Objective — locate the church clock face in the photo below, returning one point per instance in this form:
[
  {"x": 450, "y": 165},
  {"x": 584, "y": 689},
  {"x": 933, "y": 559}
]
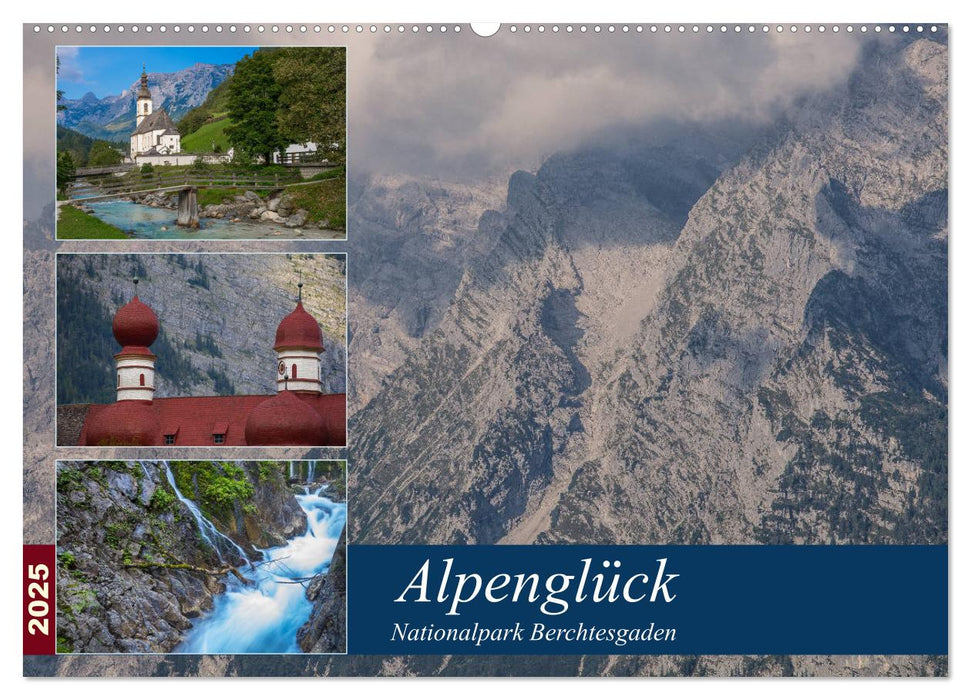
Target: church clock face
[{"x": 282, "y": 368}]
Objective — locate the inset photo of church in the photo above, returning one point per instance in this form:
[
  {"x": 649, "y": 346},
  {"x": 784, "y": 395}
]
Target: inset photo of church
[
  {"x": 207, "y": 142},
  {"x": 201, "y": 350}
]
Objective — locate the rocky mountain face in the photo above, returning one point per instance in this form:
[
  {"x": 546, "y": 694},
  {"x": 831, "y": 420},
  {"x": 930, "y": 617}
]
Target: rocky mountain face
[
  {"x": 420, "y": 235},
  {"x": 133, "y": 570},
  {"x": 113, "y": 117},
  {"x": 759, "y": 359},
  {"x": 326, "y": 630},
  {"x": 218, "y": 316}
]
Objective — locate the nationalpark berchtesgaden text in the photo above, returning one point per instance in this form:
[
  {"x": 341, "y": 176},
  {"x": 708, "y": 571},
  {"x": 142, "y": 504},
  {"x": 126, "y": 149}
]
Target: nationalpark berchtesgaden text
[{"x": 554, "y": 593}]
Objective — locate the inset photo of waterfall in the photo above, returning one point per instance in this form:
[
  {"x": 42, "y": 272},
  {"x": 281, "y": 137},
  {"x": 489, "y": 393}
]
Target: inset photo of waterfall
[{"x": 201, "y": 557}]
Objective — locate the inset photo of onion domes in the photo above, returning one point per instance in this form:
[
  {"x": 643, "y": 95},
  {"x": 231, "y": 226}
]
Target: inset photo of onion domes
[{"x": 201, "y": 350}]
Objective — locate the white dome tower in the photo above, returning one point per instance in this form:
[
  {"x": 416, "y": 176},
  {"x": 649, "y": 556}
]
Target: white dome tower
[
  {"x": 298, "y": 345},
  {"x": 135, "y": 327}
]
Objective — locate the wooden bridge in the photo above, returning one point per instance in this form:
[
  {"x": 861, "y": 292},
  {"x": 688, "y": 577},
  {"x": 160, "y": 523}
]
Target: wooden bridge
[
  {"x": 186, "y": 183},
  {"x": 104, "y": 169}
]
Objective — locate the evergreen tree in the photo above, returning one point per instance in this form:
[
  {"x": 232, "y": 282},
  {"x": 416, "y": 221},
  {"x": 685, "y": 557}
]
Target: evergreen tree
[
  {"x": 59, "y": 94},
  {"x": 253, "y": 102},
  {"x": 65, "y": 170}
]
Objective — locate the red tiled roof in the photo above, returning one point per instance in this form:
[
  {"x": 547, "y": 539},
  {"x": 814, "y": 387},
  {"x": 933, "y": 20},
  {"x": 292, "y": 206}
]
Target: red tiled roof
[
  {"x": 122, "y": 423},
  {"x": 193, "y": 420}
]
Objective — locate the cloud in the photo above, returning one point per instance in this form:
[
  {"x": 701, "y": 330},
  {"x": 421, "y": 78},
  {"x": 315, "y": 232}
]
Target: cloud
[
  {"x": 70, "y": 70},
  {"x": 468, "y": 106}
]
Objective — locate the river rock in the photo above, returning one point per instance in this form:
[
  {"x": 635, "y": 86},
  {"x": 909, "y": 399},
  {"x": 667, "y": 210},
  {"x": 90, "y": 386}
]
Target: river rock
[
  {"x": 273, "y": 204},
  {"x": 252, "y": 196},
  {"x": 271, "y": 216},
  {"x": 296, "y": 220}
]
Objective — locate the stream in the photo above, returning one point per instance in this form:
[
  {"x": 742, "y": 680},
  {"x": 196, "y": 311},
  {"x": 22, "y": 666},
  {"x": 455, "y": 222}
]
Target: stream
[
  {"x": 263, "y": 616},
  {"x": 156, "y": 222}
]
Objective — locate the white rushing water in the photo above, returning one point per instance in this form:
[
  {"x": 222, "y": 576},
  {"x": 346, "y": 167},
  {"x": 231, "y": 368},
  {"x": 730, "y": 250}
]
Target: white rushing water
[
  {"x": 263, "y": 616},
  {"x": 209, "y": 532}
]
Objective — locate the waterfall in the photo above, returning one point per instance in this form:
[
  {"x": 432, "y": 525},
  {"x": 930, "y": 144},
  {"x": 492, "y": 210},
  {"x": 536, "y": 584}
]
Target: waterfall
[
  {"x": 311, "y": 467},
  {"x": 209, "y": 532},
  {"x": 291, "y": 470},
  {"x": 263, "y": 616}
]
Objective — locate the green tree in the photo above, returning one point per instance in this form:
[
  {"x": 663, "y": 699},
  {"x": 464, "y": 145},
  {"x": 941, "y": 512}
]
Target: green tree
[
  {"x": 253, "y": 102},
  {"x": 103, "y": 153},
  {"x": 65, "y": 170},
  {"x": 312, "y": 101},
  {"x": 59, "y": 93}
]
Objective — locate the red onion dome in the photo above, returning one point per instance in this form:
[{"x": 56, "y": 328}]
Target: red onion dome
[
  {"x": 124, "y": 423},
  {"x": 135, "y": 324},
  {"x": 299, "y": 330},
  {"x": 285, "y": 420}
]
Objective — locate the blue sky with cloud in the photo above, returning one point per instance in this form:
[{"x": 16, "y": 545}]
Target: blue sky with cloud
[{"x": 108, "y": 70}]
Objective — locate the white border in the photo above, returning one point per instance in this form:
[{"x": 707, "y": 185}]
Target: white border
[{"x": 511, "y": 10}]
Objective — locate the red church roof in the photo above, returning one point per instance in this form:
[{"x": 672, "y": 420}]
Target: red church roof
[
  {"x": 299, "y": 330},
  {"x": 122, "y": 423},
  {"x": 196, "y": 421},
  {"x": 304, "y": 419}
]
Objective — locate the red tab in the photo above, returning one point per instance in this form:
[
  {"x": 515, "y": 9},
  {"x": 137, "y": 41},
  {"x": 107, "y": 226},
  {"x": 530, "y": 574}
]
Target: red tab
[{"x": 39, "y": 574}]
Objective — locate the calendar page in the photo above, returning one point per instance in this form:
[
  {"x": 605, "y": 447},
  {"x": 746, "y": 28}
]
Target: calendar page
[{"x": 584, "y": 349}]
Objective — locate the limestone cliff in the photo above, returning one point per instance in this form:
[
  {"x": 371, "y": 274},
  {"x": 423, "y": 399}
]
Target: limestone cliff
[{"x": 217, "y": 314}]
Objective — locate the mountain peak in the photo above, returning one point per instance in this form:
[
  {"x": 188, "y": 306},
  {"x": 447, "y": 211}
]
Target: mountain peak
[{"x": 113, "y": 117}]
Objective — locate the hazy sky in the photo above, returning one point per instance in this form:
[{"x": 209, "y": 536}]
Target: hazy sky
[
  {"x": 109, "y": 70},
  {"x": 467, "y": 105}
]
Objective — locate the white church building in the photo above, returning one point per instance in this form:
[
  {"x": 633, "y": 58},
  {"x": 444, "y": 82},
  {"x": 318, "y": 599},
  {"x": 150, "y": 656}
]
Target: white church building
[{"x": 155, "y": 139}]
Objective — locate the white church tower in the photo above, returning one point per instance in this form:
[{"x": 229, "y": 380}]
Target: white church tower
[
  {"x": 143, "y": 105},
  {"x": 298, "y": 345}
]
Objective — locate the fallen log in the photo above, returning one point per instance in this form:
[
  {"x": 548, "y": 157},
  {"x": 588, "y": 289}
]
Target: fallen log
[{"x": 189, "y": 567}]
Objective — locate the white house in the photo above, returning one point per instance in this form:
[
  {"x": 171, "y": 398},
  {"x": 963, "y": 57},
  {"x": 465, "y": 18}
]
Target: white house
[{"x": 295, "y": 152}]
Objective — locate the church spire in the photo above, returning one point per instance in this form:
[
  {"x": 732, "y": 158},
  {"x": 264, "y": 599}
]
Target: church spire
[{"x": 143, "y": 102}]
